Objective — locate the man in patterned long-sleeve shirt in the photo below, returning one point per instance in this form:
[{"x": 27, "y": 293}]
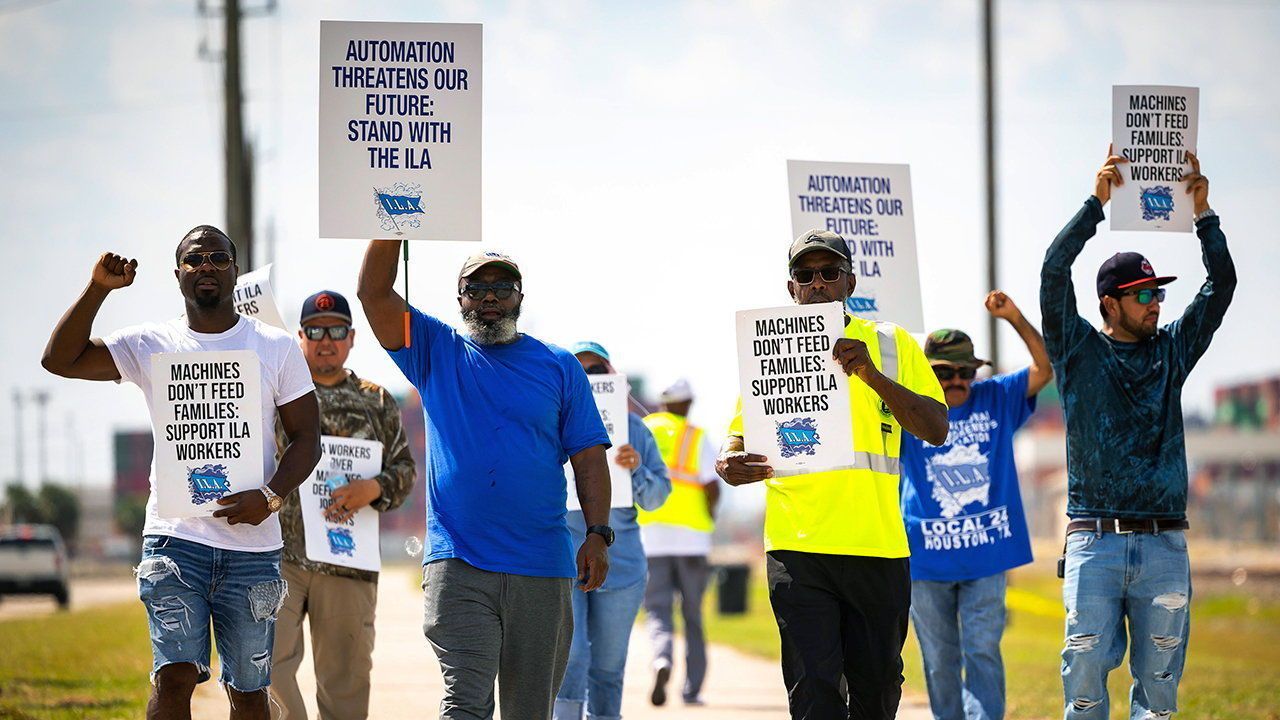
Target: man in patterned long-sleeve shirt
[
  {"x": 339, "y": 600},
  {"x": 1126, "y": 550}
]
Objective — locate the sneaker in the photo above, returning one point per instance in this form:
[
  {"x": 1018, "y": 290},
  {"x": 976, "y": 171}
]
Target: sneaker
[
  {"x": 660, "y": 677},
  {"x": 694, "y": 701}
]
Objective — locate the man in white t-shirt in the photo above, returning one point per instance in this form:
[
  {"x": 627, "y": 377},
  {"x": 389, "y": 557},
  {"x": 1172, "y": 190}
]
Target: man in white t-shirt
[{"x": 223, "y": 568}]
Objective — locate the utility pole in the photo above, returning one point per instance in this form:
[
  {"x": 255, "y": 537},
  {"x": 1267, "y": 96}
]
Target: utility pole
[
  {"x": 41, "y": 398},
  {"x": 989, "y": 99},
  {"x": 19, "y": 460},
  {"x": 237, "y": 150}
]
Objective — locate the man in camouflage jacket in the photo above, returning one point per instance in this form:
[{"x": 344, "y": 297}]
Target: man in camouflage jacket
[{"x": 339, "y": 600}]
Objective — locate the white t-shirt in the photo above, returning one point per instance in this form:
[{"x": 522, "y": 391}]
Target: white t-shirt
[
  {"x": 285, "y": 378},
  {"x": 662, "y": 540}
]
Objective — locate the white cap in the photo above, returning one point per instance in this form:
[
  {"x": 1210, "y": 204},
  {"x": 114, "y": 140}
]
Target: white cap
[{"x": 679, "y": 391}]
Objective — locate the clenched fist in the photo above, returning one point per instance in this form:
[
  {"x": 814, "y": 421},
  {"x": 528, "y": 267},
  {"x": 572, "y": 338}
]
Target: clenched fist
[{"x": 113, "y": 272}]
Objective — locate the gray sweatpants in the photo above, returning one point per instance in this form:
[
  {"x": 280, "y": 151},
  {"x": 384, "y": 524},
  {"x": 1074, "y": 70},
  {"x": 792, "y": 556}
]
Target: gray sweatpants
[
  {"x": 687, "y": 575},
  {"x": 486, "y": 625}
]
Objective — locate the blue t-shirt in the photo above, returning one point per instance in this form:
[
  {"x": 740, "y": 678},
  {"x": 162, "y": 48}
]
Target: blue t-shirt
[
  {"x": 501, "y": 421},
  {"x": 960, "y": 501}
]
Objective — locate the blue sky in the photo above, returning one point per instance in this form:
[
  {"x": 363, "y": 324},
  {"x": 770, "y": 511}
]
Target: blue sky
[{"x": 634, "y": 163}]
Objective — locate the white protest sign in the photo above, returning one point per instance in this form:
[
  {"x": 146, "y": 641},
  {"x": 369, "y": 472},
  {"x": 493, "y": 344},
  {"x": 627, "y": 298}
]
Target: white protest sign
[
  {"x": 1153, "y": 126},
  {"x": 869, "y": 205},
  {"x": 254, "y": 297},
  {"x": 400, "y": 130},
  {"x": 207, "y": 419},
  {"x": 353, "y": 543},
  {"x": 610, "y": 392},
  {"x": 795, "y": 396}
]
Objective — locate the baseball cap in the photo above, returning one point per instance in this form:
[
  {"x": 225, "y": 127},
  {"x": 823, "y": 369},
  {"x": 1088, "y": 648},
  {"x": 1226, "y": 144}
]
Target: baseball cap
[
  {"x": 817, "y": 240},
  {"x": 678, "y": 391},
  {"x": 951, "y": 347},
  {"x": 590, "y": 346},
  {"x": 480, "y": 259},
  {"x": 325, "y": 303},
  {"x": 1126, "y": 269}
]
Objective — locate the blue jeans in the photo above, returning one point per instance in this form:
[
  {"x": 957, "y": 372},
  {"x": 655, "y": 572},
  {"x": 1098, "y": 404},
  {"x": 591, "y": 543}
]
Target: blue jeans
[
  {"x": 186, "y": 585},
  {"x": 602, "y": 622},
  {"x": 959, "y": 625},
  {"x": 1110, "y": 577}
]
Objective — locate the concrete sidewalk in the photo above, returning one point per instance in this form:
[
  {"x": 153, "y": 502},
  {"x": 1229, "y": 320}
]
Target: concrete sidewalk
[{"x": 407, "y": 684}]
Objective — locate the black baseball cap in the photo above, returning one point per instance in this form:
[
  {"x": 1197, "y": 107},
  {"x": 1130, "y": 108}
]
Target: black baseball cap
[
  {"x": 325, "y": 303},
  {"x": 1126, "y": 269},
  {"x": 817, "y": 240}
]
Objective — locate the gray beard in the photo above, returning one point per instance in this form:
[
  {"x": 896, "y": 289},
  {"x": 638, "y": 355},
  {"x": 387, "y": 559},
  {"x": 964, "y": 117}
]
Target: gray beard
[{"x": 499, "y": 332}]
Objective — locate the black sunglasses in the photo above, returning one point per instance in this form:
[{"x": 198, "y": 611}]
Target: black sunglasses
[
  {"x": 596, "y": 369},
  {"x": 219, "y": 259},
  {"x": 829, "y": 274},
  {"x": 316, "y": 333},
  {"x": 1145, "y": 295},
  {"x": 501, "y": 290},
  {"x": 946, "y": 372}
]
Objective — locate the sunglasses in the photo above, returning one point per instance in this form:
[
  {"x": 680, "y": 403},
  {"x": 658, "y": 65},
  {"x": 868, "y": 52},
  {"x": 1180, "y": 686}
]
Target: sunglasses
[
  {"x": 219, "y": 259},
  {"x": 1146, "y": 295},
  {"x": 501, "y": 290},
  {"x": 596, "y": 369},
  {"x": 946, "y": 372},
  {"x": 316, "y": 333},
  {"x": 806, "y": 276}
]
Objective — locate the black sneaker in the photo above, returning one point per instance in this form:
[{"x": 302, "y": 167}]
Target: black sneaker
[{"x": 660, "y": 678}]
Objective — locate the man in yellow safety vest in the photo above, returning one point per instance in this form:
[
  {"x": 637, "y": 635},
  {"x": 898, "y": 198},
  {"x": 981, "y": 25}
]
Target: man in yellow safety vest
[
  {"x": 839, "y": 580},
  {"x": 677, "y": 540}
]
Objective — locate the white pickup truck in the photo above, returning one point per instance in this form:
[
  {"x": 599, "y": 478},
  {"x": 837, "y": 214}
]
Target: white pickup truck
[{"x": 33, "y": 561}]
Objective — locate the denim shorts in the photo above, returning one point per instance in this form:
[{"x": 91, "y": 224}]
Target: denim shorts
[{"x": 186, "y": 585}]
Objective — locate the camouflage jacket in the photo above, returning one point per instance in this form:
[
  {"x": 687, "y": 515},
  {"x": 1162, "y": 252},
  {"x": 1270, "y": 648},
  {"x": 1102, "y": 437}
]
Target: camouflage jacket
[{"x": 360, "y": 409}]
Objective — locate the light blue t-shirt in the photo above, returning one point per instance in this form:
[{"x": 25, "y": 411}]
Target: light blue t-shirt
[
  {"x": 650, "y": 487},
  {"x": 960, "y": 501},
  {"x": 501, "y": 421}
]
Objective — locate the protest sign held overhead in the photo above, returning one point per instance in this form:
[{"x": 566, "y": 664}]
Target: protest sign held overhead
[
  {"x": 869, "y": 205},
  {"x": 400, "y": 108},
  {"x": 354, "y": 542},
  {"x": 795, "y": 396},
  {"x": 1153, "y": 126},
  {"x": 254, "y": 297},
  {"x": 610, "y": 392},
  {"x": 208, "y": 429}
]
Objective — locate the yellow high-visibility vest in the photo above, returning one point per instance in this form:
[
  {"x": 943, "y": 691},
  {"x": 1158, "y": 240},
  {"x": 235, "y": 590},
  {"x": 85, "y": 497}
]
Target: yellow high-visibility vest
[
  {"x": 853, "y": 511},
  {"x": 680, "y": 444}
]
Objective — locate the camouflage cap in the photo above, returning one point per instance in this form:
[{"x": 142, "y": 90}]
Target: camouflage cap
[{"x": 951, "y": 347}]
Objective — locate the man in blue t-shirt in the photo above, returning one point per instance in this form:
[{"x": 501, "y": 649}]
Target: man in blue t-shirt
[
  {"x": 964, "y": 518},
  {"x": 504, "y": 412}
]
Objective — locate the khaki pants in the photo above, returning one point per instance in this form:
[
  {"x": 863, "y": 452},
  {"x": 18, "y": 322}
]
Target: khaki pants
[{"x": 341, "y": 613}]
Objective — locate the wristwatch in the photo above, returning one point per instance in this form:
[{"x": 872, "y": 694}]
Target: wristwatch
[
  {"x": 603, "y": 531},
  {"x": 274, "y": 501},
  {"x": 1206, "y": 214}
]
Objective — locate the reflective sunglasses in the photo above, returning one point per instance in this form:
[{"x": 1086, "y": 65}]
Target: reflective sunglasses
[
  {"x": 316, "y": 333},
  {"x": 946, "y": 372},
  {"x": 806, "y": 276},
  {"x": 219, "y": 259},
  {"x": 1146, "y": 295},
  {"x": 501, "y": 290}
]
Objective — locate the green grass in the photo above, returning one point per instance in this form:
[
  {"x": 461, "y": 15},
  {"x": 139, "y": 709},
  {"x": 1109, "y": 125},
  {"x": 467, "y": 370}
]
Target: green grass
[
  {"x": 1232, "y": 672},
  {"x": 86, "y": 664}
]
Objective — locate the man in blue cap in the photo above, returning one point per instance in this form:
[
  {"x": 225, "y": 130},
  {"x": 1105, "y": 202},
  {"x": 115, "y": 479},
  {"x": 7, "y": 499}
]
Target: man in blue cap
[
  {"x": 1121, "y": 387},
  {"x": 603, "y": 618}
]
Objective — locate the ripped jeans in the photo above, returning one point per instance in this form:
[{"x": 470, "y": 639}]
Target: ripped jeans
[
  {"x": 1110, "y": 578},
  {"x": 187, "y": 585}
]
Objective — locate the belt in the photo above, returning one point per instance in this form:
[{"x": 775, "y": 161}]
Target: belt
[{"x": 1124, "y": 526}]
